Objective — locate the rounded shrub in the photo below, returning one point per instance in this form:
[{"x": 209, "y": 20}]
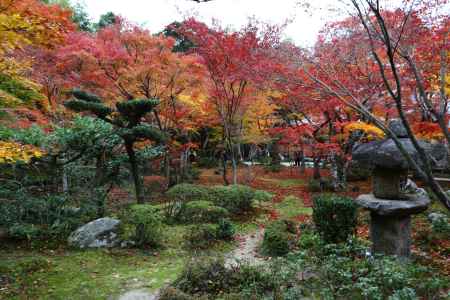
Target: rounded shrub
[
  {"x": 278, "y": 238},
  {"x": 225, "y": 229},
  {"x": 237, "y": 199},
  {"x": 203, "y": 212},
  {"x": 180, "y": 194},
  {"x": 201, "y": 236},
  {"x": 145, "y": 223},
  {"x": 335, "y": 217},
  {"x": 204, "y": 276}
]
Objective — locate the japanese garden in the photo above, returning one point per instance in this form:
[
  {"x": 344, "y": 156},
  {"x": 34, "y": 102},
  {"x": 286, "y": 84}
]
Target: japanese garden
[{"x": 207, "y": 160}]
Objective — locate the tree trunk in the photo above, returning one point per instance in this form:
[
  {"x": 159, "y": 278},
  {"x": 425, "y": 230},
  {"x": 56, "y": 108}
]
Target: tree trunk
[
  {"x": 224, "y": 167},
  {"x": 316, "y": 174},
  {"x": 134, "y": 171},
  {"x": 234, "y": 166}
]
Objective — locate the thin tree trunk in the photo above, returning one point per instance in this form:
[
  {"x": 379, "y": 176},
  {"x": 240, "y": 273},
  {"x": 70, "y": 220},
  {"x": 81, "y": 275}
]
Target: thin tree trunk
[
  {"x": 316, "y": 174},
  {"x": 224, "y": 167},
  {"x": 134, "y": 171}
]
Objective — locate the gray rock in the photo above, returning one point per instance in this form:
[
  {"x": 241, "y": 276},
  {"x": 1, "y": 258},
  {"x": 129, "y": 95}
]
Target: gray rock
[
  {"x": 413, "y": 204},
  {"x": 96, "y": 234},
  {"x": 396, "y": 125},
  {"x": 435, "y": 217}
]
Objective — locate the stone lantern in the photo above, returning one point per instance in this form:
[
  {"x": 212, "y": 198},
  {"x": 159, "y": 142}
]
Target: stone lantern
[{"x": 390, "y": 207}]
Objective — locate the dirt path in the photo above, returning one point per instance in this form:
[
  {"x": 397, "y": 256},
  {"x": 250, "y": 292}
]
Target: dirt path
[{"x": 247, "y": 252}]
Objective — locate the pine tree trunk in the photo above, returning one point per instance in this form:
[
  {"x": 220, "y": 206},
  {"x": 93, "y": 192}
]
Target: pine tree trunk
[{"x": 134, "y": 171}]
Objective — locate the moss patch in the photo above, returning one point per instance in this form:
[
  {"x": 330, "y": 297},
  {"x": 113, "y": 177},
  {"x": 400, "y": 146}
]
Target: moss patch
[{"x": 292, "y": 207}]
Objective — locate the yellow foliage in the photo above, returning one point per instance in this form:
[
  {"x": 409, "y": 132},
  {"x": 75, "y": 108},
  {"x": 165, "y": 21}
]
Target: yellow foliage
[
  {"x": 11, "y": 152},
  {"x": 258, "y": 118},
  {"x": 371, "y": 132}
]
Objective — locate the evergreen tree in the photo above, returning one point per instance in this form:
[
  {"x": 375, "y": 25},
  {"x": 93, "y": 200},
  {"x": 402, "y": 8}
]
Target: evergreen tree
[{"x": 127, "y": 121}]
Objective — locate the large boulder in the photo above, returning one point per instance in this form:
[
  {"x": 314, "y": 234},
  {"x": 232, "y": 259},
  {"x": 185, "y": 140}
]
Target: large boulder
[{"x": 96, "y": 234}]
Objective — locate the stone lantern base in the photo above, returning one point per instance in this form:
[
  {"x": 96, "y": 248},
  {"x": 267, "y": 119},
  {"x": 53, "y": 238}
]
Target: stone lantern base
[
  {"x": 390, "y": 228},
  {"x": 390, "y": 235}
]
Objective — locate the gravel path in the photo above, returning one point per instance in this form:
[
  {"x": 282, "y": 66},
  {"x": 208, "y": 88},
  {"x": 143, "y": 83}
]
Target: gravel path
[{"x": 247, "y": 252}]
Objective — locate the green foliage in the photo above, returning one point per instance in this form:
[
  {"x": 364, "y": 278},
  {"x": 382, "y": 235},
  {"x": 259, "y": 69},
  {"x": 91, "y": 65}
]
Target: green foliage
[
  {"x": 85, "y": 96},
  {"x": 279, "y": 238},
  {"x": 106, "y": 20},
  {"x": 309, "y": 240},
  {"x": 24, "y": 93},
  {"x": 183, "y": 44},
  {"x": 335, "y": 217},
  {"x": 291, "y": 207},
  {"x": 225, "y": 229},
  {"x": 136, "y": 109},
  {"x": 203, "y": 212},
  {"x": 97, "y": 109},
  {"x": 180, "y": 194},
  {"x": 33, "y": 135},
  {"x": 379, "y": 278},
  {"x": 201, "y": 236},
  {"x": 262, "y": 196},
  {"x": 51, "y": 217},
  {"x": 146, "y": 225},
  {"x": 171, "y": 293},
  {"x": 237, "y": 199},
  {"x": 204, "y": 276},
  {"x": 441, "y": 227}
]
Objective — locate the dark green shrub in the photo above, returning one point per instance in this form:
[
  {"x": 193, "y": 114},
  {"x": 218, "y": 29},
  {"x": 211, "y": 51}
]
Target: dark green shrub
[
  {"x": 180, "y": 194},
  {"x": 309, "y": 240},
  {"x": 25, "y": 231},
  {"x": 237, "y": 199},
  {"x": 225, "y": 230},
  {"x": 278, "y": 238},
  {"x": 335, "y": 217},
  {"x": 204, "y": 276},
  {"x": 32, "y": 218},
  {"x": 201, "y": 236},
  {"x": 202, "y": 212},
  {"x": 441, "y": 227},
  {"x": 146, "y": 225}
]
